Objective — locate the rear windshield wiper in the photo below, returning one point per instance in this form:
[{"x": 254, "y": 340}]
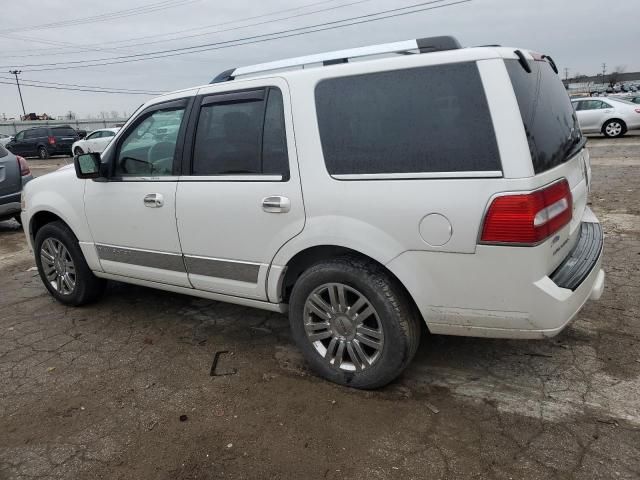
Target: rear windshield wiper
[{"x": 577, "y": 146}]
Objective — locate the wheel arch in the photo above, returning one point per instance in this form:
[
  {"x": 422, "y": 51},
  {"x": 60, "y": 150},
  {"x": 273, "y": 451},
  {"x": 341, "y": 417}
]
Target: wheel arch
[
  {"x": 42, "y": 217},
  {"x": 304, "y": 259},
  {"x": 622, "y": 122}
]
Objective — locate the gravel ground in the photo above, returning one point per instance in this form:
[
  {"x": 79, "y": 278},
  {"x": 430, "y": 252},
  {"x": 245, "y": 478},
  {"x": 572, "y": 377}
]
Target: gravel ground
[{"x": 122, "y": 389}]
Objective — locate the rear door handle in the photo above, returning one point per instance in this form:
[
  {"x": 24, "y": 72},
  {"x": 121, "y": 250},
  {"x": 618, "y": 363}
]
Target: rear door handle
[
  {"x": 276, "y": 204},
  {"x": 153, "y": 200}
]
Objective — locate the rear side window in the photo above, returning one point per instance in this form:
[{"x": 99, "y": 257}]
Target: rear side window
[
  {"x": 428, "y": 119},
  {"x": 549, "y": 120},
  {"x": 63, "y": 132},
  {"x": 242, "y": 137}
]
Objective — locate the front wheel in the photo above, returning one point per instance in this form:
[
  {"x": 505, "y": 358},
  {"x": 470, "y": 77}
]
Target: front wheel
[
  {"x": 43, "y": 153},
  {"x": 77, "y": 151},
  {"x": 354, "y": 323},
  {"x": 614, "y": 128},
  {"x": 62, "y": 266}
]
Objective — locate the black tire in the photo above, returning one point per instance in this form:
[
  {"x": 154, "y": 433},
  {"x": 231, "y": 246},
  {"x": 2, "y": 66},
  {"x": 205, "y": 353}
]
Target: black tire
[
  {"x": 77, "y": 151},
  {"x": 399, "y": 319},
  {"x": 88, "y": 288},
  {"x": 17, "y": 218},
  {"x": 614, "y": 128},
  {"x": 43, "y": 153}
]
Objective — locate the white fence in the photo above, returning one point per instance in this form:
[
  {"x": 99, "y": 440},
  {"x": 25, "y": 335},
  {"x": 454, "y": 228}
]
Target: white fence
[{"x": 11, "y": 127}]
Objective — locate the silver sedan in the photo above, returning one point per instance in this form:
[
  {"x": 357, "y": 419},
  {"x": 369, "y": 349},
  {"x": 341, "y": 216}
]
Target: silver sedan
[{"x": 610, "y": 116}]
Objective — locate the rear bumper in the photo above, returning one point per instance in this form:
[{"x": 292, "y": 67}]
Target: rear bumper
[
  {"x": 488, "y": 295},
  {"x": 9, "y": 209},
  {"x": 9, "y": 204}
]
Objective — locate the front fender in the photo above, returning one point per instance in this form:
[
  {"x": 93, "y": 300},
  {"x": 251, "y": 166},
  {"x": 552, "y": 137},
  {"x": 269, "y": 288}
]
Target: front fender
[{"x": 43, "y": 195}]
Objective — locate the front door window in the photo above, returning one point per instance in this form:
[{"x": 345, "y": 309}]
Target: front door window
[{"x": 149, "y": 149}]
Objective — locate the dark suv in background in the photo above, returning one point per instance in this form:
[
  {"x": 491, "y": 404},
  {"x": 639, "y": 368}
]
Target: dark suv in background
[{"x": 43, "y": 141}]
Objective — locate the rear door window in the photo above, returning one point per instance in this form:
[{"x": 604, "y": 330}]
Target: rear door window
[
  {"x": 550, "y": 122},
  {"x": 242, "y": 137},
  {"x": 31, "y": 134},
  {"x": 427, "y": 119}
]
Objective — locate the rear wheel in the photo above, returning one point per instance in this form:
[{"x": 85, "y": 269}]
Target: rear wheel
[
  {"x": 353, "y": 322},
  {"x": 62, "y": 266},
  {"x": 43, "y": 153},
  {"x": 78, "y": 151},
  {"x": 614, "y": 128}
]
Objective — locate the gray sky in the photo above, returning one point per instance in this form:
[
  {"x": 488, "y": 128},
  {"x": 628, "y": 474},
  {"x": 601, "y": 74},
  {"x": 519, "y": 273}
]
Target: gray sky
[{"x": 579, "y": 34}]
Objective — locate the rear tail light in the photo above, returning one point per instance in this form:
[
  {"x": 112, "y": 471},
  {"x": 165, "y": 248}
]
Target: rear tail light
[
  {"x": 23, "y": 166},
  {"x": 52, "y": 140},
  {"x": 528, "y": 218}
]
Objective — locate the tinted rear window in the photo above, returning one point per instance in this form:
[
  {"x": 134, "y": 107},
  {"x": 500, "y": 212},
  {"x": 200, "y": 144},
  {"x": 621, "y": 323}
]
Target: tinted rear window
[
  {"x": 63, "y": 132},
  {"x": 548, "y": 117},
  {"x": 427, "y": 119}
]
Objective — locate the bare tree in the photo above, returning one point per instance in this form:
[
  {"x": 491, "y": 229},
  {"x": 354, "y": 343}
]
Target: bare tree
[
  {"x": 114, "y": 114},
  {"x": 614, "y": 77},
  {"x": 70, "y": 115}
]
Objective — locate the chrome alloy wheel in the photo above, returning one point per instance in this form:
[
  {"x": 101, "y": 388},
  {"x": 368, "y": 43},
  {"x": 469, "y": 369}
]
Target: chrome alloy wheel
[
  {"x": 343, "y": 327},
  {"x": 58, "y": 266},
  {"x": 613, "y": 129}
]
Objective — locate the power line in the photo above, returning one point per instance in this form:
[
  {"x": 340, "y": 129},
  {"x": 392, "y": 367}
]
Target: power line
[
  {"x": 193, "y": 35},
  {"x": 175, "y": 32},
  {"x": 361, "y": 19},
  {"x": 87, "y": 86},
  {"x": 77, "y": 90},
  {"x": 143, "y": 9}
]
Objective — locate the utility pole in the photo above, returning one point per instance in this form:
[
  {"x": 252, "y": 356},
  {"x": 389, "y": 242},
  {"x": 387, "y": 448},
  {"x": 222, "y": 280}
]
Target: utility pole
[
  {"x": 566, "y": 73},
  {"x": 16, "y": 73},
  {"x": 604, "y": 71}
]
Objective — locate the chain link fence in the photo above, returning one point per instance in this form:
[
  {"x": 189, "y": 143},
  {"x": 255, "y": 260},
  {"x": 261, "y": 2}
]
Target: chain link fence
[{"x": 11, "y": 127}]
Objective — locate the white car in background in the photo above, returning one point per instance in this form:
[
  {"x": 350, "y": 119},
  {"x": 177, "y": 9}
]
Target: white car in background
[
  {"x": 95, "y": 142},
  {"x": 610, "y": 116},
  {"x": 4, "y": 139}
]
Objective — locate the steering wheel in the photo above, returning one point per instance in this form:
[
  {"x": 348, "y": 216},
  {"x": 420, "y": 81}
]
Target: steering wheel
[{"x": 160, "y": 152}]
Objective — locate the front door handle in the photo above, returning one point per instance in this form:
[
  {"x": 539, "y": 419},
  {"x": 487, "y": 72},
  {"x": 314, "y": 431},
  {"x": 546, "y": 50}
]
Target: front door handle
[
  {"x": 153, "y": 200},
  {"x": 276, "y": 204}
]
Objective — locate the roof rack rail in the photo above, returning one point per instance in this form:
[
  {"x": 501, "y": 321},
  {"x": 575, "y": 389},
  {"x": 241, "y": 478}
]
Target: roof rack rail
[{"x": 419, "y": 45}]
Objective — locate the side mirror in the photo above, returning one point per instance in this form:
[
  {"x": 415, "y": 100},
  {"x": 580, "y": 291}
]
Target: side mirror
[{"x": 87, "y": 165}]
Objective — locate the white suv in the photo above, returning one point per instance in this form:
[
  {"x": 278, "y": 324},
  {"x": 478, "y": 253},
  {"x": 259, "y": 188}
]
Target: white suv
[{"x": 429, "y": 184}]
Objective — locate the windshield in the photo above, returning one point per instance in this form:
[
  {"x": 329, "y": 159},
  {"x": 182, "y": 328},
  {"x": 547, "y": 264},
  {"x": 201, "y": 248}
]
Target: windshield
[{"x": 547, "y": 114}]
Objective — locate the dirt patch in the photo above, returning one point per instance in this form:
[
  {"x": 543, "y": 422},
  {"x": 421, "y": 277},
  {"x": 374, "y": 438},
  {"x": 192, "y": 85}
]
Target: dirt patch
[{"x": 123, "y": 388}]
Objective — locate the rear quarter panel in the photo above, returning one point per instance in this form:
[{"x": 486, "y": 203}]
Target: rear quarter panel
[{"x": 382, "y": 217}]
